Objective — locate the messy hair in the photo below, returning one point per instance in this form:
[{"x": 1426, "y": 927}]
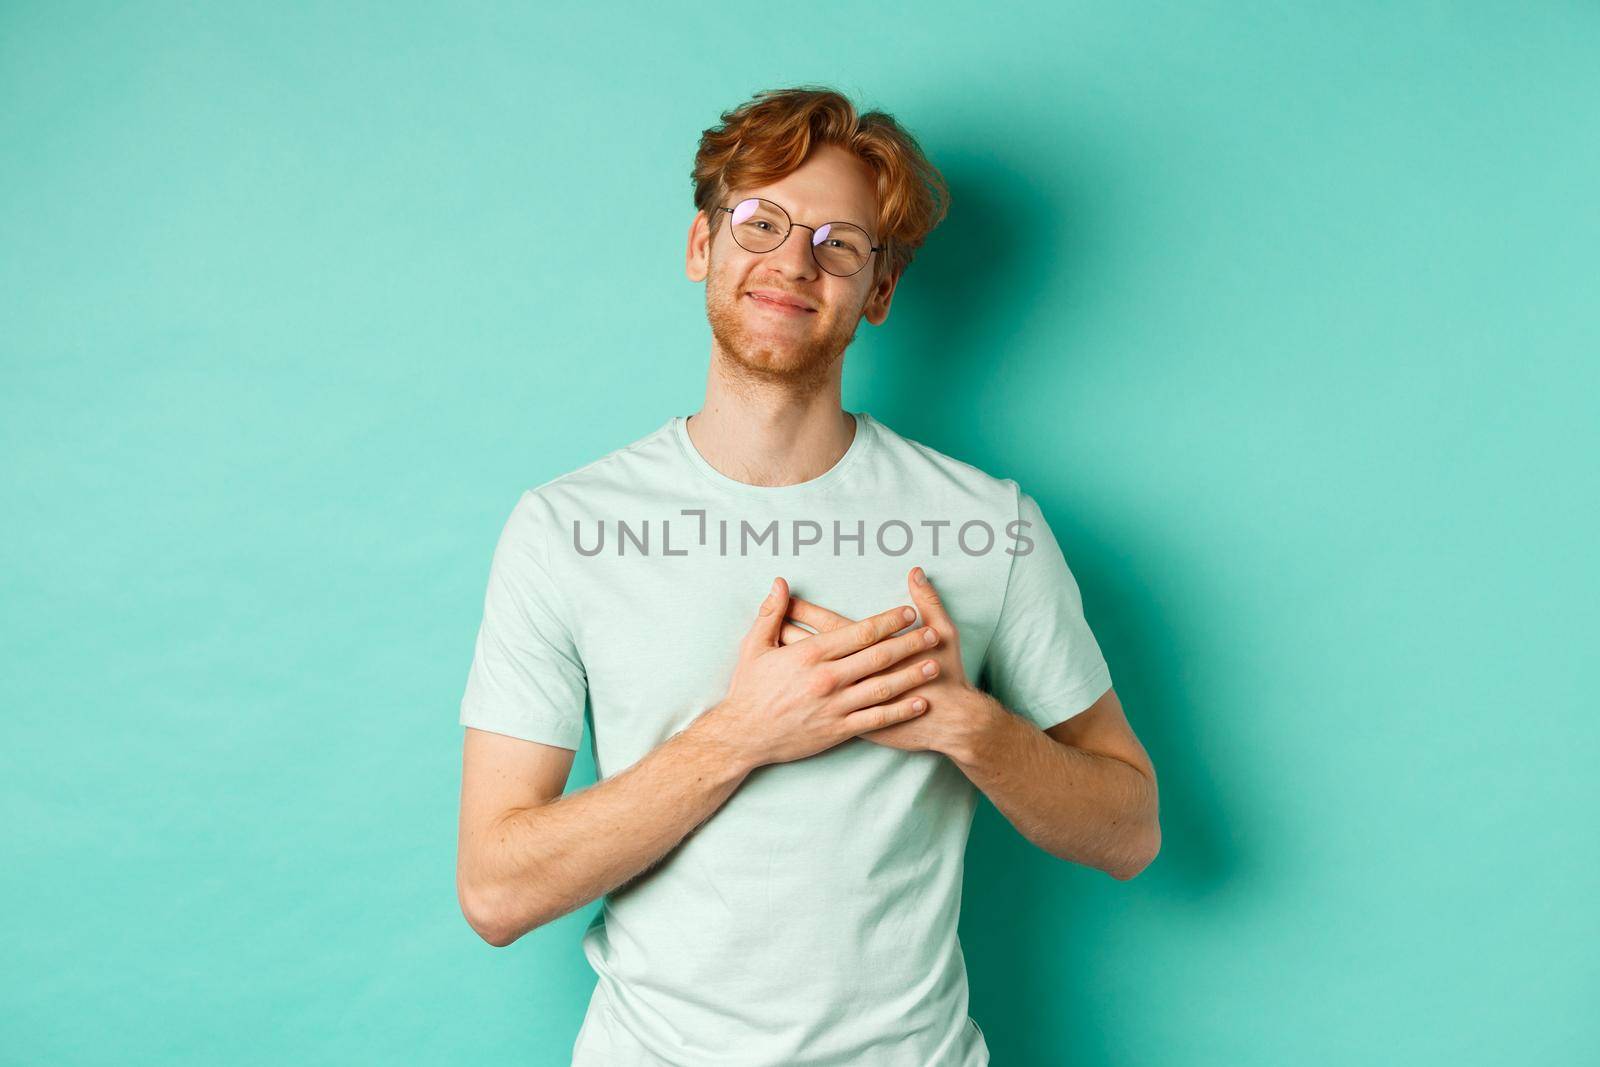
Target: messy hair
[{"x": 774, "y": 132}]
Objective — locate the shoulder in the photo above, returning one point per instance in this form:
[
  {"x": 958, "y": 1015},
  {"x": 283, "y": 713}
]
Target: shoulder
[
  {"x": 622, "y": 470},
  {"x": 954, "y": 480},
  {"x": 533, "y": 521}
]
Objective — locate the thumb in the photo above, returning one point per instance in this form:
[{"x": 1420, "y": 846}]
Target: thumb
[
  {"x": 769, "y": 620},
  {"x": 927, "y": 599}
]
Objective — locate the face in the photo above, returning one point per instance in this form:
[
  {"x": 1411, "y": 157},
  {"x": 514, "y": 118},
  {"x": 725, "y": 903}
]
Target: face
[{"x": 798, "y": 348}]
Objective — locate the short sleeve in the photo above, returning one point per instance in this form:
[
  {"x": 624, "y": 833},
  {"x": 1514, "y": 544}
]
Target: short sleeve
[
  {"x": 1043, "y": 662},
  {"x": 526, "y": 679}
]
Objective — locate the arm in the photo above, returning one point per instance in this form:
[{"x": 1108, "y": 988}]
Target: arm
[
  {"x": 529, "y": 854},
  {"x": 1083, "y": 790},
  {"x": 526, "y": 854}
]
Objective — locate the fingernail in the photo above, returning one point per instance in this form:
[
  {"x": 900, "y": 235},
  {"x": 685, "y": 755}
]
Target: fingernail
[
  {"x": 907, "y": 614},
  {"x": 774, "y": 587},
  {"x": 919, "y": 703},
  {"x": 930, "y": 635},
  {"x": 930, "y": 669},
  {"x": 919, "y": 576}
]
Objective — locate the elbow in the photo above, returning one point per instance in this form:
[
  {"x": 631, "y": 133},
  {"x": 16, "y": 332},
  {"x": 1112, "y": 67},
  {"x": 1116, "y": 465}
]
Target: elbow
[
  {"x": 487, "y": 920},
  {"x": 1149, "y": 847},
  {"x": 1145, "y": 844},
  {"x": 495, "y": 936}
]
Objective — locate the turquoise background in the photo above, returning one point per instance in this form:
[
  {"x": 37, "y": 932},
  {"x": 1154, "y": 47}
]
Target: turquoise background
[{"x": 1299, "y": 360}]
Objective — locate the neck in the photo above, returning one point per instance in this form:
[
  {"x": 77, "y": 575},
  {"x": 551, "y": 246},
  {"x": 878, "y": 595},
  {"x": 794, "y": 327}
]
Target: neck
[{"x": 764, "y": 434}]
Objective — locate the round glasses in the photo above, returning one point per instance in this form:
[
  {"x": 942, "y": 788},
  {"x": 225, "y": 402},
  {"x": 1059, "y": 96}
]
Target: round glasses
[{"x": 840, "y": 248}]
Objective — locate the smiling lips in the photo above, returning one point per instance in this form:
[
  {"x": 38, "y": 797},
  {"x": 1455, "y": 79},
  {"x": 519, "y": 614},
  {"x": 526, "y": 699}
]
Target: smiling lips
[{"x": 780, "y": 303}]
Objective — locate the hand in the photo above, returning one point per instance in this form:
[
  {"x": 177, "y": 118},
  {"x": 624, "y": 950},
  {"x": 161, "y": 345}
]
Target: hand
[
  {"x": 956, "y": 708},
  {"x": 786, "y": 702}
]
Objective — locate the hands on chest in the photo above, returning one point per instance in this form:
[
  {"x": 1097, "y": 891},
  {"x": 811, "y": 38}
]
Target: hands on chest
[{"x": 798, "y": 691}]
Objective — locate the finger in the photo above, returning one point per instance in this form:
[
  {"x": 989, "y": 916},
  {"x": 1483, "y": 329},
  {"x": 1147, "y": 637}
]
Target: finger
[
  {"x": 884, "y": 654},
  {"x": 792, "y": 633},
  {"x": 816, "y": 616},
  {"x": 882, "y": 688},
  {"x": 927, "y": 599},
  {"x": 859, "y": 635},
  {"x": 878, "y": 716},
  {"x": 769, "y": 620}
]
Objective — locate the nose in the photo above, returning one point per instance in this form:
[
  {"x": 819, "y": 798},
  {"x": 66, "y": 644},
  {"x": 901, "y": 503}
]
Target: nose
[{"x": 795, "y": 256}]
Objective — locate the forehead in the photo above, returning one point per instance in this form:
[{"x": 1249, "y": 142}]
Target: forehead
[{"x": 833, "y": 185}]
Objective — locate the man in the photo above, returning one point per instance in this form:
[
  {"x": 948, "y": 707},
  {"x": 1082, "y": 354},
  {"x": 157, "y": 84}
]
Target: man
[{"x": 786, "y": 787}]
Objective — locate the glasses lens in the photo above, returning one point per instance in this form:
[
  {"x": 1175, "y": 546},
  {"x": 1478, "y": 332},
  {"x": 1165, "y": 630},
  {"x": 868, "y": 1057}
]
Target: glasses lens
[
  {"x": 760, "y": 225},
  {"x": 841, "y": 248}
]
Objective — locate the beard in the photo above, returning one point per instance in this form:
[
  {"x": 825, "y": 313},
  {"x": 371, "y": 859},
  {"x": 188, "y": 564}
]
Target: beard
[{"x": 791, "y": 353}]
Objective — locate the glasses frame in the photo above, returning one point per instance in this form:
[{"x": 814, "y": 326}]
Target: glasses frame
[{"x": 792, "y": 224}]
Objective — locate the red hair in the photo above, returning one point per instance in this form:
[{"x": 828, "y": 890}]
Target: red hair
[{"x": 773, "y": 133}]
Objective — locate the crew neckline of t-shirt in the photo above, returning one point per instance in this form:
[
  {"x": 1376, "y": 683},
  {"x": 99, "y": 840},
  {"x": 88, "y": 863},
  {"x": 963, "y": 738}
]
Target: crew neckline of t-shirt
[{"x": 858, "y": 444}]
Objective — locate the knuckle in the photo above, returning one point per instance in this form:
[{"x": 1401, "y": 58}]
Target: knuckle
[{"x": 821, "y": 683}]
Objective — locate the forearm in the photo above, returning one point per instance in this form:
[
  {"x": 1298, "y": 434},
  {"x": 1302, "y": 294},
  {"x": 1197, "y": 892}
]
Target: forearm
[
  {"x": 1074, "y": 804},
  {"x": 536, "y": 864}
]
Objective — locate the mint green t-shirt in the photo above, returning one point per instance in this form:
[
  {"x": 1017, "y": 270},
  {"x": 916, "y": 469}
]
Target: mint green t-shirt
[{"x": 811, "y": 920}]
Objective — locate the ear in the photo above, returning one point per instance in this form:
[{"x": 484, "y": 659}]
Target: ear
[
  {"x": 697, "y": 263},
  {"x": 877, "y": 306}
]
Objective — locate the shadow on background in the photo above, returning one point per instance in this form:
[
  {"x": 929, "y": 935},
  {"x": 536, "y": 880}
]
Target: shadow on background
[{"x": 1029, "y": 918}]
